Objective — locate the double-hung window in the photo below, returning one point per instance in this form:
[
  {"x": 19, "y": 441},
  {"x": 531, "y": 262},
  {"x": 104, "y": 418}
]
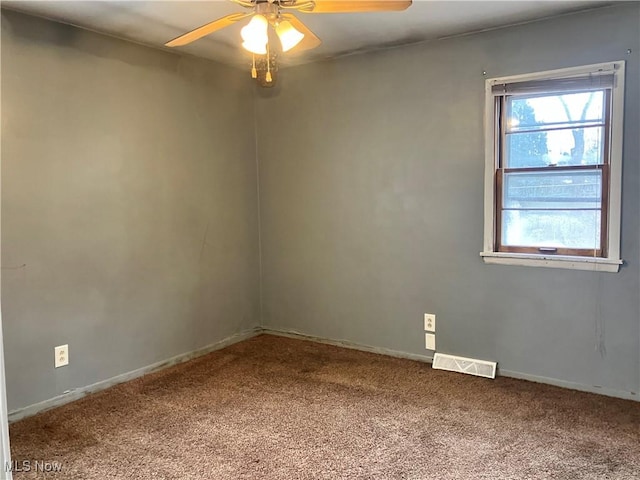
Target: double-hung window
[{"x": 553, "y": 168}]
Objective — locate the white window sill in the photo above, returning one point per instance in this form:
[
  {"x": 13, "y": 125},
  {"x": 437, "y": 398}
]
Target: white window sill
[{"x": 552, "y": 261}]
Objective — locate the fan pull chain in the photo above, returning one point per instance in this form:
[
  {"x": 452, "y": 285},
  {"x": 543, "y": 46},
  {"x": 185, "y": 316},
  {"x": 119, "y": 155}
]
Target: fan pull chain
[
  {"x": 254, "y": 72},
  {"x": 268, "y": 77}
]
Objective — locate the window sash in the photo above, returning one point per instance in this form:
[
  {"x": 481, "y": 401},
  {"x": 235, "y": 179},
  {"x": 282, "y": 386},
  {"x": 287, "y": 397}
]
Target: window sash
[
  {"x": 604, "y": 208},
  {"x": 502, "y": 129}
]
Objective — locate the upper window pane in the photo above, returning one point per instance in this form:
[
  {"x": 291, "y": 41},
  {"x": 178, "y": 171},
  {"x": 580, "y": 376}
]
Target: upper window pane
[
  {"x": 561, "y": 129},
  {"x": 551, "y": 111},
  {"x": 575, "y": 146}
]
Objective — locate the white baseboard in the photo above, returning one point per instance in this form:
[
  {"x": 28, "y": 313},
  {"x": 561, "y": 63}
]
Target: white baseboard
[
  {"x": 239, "y": 337},
  {"x": 423, "y": 358},
  {"x": 347, "y": 344},
  {"x": 78, "y": 393},
  {"x": 608, "y": 392}
]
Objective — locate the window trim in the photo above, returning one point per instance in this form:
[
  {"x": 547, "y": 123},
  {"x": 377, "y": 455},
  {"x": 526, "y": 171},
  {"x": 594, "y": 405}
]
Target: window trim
[{"x": 612, "y": 261}]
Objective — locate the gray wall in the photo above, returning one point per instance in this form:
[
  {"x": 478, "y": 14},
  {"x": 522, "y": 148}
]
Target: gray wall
[
  {"x": 371, "y": 197},
  {"x": 129, "y": 206}
]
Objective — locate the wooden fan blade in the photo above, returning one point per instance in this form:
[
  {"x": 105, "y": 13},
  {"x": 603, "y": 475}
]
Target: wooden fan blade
[
  {"x": 354, "y": 6},
  {"x": 310, "y": 39},
  {"x": 204, "y": 30}
]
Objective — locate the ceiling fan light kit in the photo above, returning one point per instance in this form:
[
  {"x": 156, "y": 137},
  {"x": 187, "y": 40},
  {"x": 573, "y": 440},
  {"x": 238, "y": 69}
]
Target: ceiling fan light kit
[{"x": 270, "y": 19}]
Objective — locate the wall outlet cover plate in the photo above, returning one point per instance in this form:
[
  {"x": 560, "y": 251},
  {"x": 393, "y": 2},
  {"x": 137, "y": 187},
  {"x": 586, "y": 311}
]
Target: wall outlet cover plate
[
  {"x": 61, "y": 356},
  {"x": 430, "y": 322}
]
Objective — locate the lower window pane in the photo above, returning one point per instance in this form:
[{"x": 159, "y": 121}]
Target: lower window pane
[
  {"x": 553, "y": 189},
  {"x": 551, "y": 228}
]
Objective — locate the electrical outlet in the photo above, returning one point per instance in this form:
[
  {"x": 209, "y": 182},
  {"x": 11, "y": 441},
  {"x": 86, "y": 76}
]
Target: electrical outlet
[
  {"x": 429, "y": 322},
  {"x": 430, "y": 341},
  {"x": 61, "y": 356}
]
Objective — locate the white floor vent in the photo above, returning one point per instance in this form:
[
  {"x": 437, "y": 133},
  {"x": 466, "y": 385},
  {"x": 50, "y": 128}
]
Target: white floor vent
[{"x": 471, "y": 366}]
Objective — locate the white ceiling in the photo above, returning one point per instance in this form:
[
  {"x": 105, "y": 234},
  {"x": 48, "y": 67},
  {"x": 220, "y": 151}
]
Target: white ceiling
[{"x": 156, "y": 22}]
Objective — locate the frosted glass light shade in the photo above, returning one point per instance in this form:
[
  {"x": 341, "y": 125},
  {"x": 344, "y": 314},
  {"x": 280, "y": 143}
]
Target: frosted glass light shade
[
  {"x": 255, "y": 35},
  {"x": 288, "y": 35}
]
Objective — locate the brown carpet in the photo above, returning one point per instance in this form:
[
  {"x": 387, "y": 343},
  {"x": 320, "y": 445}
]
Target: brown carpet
[{"x": 278, "y": 408}]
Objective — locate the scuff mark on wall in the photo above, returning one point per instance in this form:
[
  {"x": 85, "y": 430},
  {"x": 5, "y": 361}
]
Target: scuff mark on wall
[
  {"x": 599, "y": 322},
  {"x": 204, "y": 243},
  {"x": 24, "y": 265}
]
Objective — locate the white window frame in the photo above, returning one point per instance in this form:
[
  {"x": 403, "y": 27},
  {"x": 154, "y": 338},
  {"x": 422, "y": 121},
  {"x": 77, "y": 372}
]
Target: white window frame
[{"x": 612, "y": 261}]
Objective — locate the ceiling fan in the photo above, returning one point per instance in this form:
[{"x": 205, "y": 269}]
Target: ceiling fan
[{"x": 273, "y": 30}]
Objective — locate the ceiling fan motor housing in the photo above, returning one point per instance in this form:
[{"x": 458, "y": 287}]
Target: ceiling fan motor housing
[{"x": 268, "y": 9}]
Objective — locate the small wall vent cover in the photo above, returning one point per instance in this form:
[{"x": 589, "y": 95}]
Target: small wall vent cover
[{"x": 470, "y": 366}]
